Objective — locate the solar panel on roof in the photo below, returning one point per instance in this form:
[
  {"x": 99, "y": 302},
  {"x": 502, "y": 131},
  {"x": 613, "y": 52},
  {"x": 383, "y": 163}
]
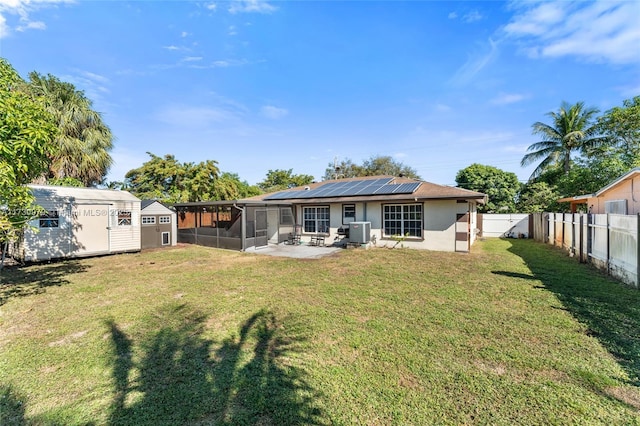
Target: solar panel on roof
[
  {"x": 349, "y": 188},
  {"x": 402, "y": 188}
]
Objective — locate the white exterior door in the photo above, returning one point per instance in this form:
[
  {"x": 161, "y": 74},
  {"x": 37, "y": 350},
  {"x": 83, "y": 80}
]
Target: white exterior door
[{"x": 90, "y": 233}]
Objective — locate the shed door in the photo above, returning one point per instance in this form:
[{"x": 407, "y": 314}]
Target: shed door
[{"x": 90, "y": 233}]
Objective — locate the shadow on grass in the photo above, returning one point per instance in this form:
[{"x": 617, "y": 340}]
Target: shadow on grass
[
  {"x": 29, "y": 280},
  {"x": 514, "y": 275},
  {"x": 179, "y": 380},
  {"x": 607, "y": 307},
  {"x": 11, "y": 407}
]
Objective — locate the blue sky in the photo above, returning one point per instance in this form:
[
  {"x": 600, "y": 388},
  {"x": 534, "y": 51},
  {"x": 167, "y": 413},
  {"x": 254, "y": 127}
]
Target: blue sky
[{"x": 261, "y": 85}]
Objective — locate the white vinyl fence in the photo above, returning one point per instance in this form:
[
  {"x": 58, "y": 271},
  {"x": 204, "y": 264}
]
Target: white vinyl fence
[
  {"x": 608, "y": 241},
  {"x": 514, "y": 225}
]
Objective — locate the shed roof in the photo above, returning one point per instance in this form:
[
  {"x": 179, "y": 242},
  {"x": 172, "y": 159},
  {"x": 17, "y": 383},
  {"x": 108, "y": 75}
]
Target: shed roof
[
  {"x": 148, "y": 203},
  {"x": 91, "y": 194}
]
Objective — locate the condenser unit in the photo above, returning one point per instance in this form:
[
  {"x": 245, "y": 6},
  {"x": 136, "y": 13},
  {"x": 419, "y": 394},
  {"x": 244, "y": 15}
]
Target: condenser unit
[{"x": 360, "y": 232}]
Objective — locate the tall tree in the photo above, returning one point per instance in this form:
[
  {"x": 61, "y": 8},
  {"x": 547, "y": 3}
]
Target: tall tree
[
  {"x": 501, "y": 187},
  {"x": 168, "y": 180},
  {"x": 622, "y": 126},
  {"x": 537, "y": 197},
  {"x": 229, "y": 187},
  {"x": 26, "y": 132},
  {"x": 84, "y": 140},
  {"x": 199, "y": 182},
  {"x": 343, "y": 169},
  {"x": 160, "y": 178},
  {"x": 374, "y": 166},
  {"x": 572, "y": 130},
  {"x": 278, "y": 180}
]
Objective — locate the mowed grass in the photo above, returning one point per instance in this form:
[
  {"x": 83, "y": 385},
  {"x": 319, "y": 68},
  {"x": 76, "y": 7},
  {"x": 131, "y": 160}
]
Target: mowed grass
[{"x": 513, "y": 333}]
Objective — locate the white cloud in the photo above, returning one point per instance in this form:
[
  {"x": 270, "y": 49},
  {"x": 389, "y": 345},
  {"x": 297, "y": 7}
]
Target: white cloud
[
  {"x": 594, "y": 31},
  {"x": 194, "y": 117},
  {"x": 518, "y": 149},
  {"x": 94, "y": 85},
  {"x": 33, "y": 25},
  {"x": 251, "y": 6},
  {"x": 508, "y": 98},
  {"x": 472, "y": 16},
  {"x": 224, "y": 63},
  {"x": 172, "y": 47},
  {"x": 4, "y": 28},
  {"x": 442, "y": 108},
  {"x": 211, "y": 6},
  {"x": 468, "y": 17},
  {"x": 95, "y": 77},
  {"x": 184, "y": 34},
  {"x": 192, "y": 59},
  {"x": 476, "y": 63},
  {"x": 22, "y": 9},
  {"x": 273, "y": 112}
]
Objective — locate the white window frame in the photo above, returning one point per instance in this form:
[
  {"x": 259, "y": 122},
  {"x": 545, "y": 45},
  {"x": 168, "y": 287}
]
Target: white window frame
[
  {"x": 164, "y": 219},
  {"x": 168, "y": 234},
  {"x": 316, "y": 219},
  {"x": 352, "y": 210},
  {"x": 148, "y": 220},
  {"x": 616, "y": 207},
  {"x": 403, "y": 219}
]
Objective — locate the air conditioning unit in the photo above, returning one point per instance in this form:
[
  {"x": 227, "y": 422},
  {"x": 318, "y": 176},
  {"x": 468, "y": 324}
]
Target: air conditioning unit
[{"x": 360, "y": 232}]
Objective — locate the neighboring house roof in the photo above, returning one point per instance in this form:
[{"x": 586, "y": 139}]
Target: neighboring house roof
[
  {"x": 371, "y": 188},
  {"x": 579, "y": 199},
  {"x": 629, "y": 175},
  {"x": 71, "y": 192}
]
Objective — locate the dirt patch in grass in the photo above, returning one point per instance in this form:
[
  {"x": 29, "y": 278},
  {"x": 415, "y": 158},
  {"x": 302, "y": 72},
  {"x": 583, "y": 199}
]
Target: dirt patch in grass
[{"x": 627, "y": 394}]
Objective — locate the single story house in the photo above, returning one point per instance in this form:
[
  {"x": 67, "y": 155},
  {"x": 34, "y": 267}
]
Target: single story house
[
  {"x": 80, "y": 222},
  {"x": 622, "y": 196},
  {"x": 158, "y": 225},
  {"x": 382, "y": 210}
]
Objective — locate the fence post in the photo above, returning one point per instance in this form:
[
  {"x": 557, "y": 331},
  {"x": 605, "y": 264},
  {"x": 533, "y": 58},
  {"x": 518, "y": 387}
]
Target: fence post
[
  {"x": 589, "y": 237},
  {"x": 608, "y": 247},
  {"x": 580, "y": 236},
  {"x": 638, "y": 252}
]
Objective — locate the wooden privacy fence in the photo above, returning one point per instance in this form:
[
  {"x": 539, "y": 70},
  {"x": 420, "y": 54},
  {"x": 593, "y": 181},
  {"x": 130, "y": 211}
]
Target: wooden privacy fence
[{"x": 608, "y": 241}]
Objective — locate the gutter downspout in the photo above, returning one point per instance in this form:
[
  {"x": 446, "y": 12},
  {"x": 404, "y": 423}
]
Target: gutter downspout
[{"x": 243, "y": 231}]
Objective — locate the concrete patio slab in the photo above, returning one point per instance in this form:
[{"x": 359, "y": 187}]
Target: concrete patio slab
[{"x": 300, "y": 251}]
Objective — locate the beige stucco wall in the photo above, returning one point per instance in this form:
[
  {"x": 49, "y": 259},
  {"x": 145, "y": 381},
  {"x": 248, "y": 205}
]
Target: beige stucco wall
[
  {"x": 628, "y": 189},
  {"x": 439, "y": 224}
]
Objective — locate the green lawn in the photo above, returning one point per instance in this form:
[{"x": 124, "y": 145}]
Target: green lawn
[{"x": 513, "y": 333}]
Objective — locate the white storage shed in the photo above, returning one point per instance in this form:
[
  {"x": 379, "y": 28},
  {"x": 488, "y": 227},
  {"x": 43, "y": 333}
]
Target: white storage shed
[{"x": 80, "y": 222}]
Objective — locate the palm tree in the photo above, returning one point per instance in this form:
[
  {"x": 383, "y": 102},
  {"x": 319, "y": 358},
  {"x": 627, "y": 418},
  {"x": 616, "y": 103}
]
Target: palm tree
[
  {"x": 84, "y": 140},
  {"x": 573, "y": 130}
]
